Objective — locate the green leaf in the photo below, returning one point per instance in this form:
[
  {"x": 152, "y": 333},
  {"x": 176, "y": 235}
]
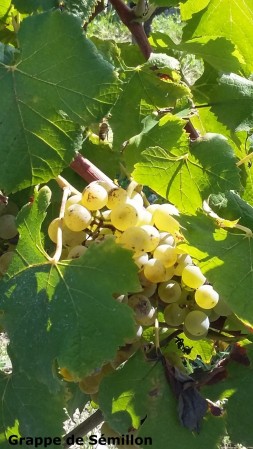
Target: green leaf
[
  {"x": 82, "y": 9},
  {"x": 29, "y": 6},
  {"x": 230, "y": 18},
  {"x": 5, "y": 6},
  {"x": 101, "y": 154},
  {"x": 232, "y": 207},
  {"x": 226, "y": 260},
  {"x": 144, "y": 89},
  {"x": 167, "y": 133},
  {"x": 232, "y": 102},
  {"x": 29, "y": 409},
  {"x": 140, "y": 390},
  {"x": 210, "y": 48},
  {"x": 64, "y": 312},
  {"x": 59, "y": 78},
  {"x": 208, "y": 167},
  {"x": 191, "y": 7},
  {"x": 237, "y": 390}
]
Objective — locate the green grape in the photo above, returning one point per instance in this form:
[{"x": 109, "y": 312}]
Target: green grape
[
  {"x": 169, "y": 273},
  {"x": 77, "y": 217},
  {"x": 192, "y": 276},
  {"x": 136, "y": 196},
  {"x": 138, "y": 334},
  {"x": 167, "y": 239},
  {"x": 154, "y": 271},
  {"x": 213, "y": 316},
  {"x": 11, "y": 208},
  {"x": 164, "y": 221},
  {"x": 116, "y": 197},
  {"x": 182, "y": 261},
  {"x": 154, "y": 237},
  {"x": 174, "y": 315},
  {"x": 146, "y": 218},
  {"x": 8, "y": 228},
  {"x": 53, "y": 229},
  {"x": 76, "y": 252},
  {"x": 149, "y": 289},
  {"x": 206, "y": 297},
  {"x": 94, "y": 196},
  {"x": 144, "y": 312},
  {"x": 71, "y": 238},
  {"x": 141, "y": 260},
  {"x": 222, "y": 308},
  {"x": 136, "y": 239},
  {"x": 169, "y": 291},
  {"x": 125, "y": 215},
  {"x": 166, "y": 254},
  {"x": 197, "y": 323},
  {"x": 5, "y": 261},
  {"x": 74, "y": 199}
]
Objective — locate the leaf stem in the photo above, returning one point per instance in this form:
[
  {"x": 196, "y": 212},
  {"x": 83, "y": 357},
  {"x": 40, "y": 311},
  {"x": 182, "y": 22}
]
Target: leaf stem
[
  {"x": 58, "y": 251},
  {"x": 62, "y": 182}
]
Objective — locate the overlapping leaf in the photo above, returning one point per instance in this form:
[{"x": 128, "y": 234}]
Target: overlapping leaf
[
  {"x": 232, "y": 19},
  {"x": 30, "y": 6},
  {"x": 65, "y": 311},
  {"x": 232, "y": 207},
  {"x": 208, "y": 167},
  {"x": 59, "y": 79},
  {"x": 143, "y": 92},
  {"x": 226, "y": 258},
  {"x": 237, "y": 391},
  {"x": 29, "y": 409},
  {"x": 140, "y": 390}
]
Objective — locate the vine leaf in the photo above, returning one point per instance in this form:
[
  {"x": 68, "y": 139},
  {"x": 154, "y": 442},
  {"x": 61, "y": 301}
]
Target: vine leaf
[
  {"x": 236, "y": 393},
  {"x": 144, "y": 89},
  {"x": 139, "y": 389},
  {"x": 59, "y": 78},
  {"x": 64, "y": 312},
  {"x": 231, "y": 207},
  {"x": 216, "y": 251},
  {"x": 30, "y": 6},
  {"x": 28, "y": 408},
  {"x": 82, "y": 9},
  {"x": 235, "y": 23},
  {"x": 208, "y": 167}
]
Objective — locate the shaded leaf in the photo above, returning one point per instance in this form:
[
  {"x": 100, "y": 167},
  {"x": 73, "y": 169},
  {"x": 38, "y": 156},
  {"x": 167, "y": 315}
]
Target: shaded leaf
[
  {"x": 139, "y": 389},
  {"x": 59, "y": 78},
  {"x": 64, "y": 312},
  {"x": 29, "y": 6}
]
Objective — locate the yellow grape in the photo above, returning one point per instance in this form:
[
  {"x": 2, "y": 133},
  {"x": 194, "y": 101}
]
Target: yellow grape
[
  {"x": 125, "y": 215},
  {"x": 74, "y": 199},
  {"x": 197, "y": 323},
  {"x": 192, "y": 276},
  {"x": 206, "y": 297},
  {"x": 174, "y": 315},
  {"x": 166, "y": 254},
  {"x": 154, "y": 237},
  {"x": 76, "y": 252},
  {"x": 154, "y": 271},
  {"x": 169, "y": 291},
  {"x": 164, "y": 220},
  {"x": 182, "y": 261},
  {"x": 77, "y": 217},
  {"x": 116, "y": 197},
  {"x": 94, "y": 196}
]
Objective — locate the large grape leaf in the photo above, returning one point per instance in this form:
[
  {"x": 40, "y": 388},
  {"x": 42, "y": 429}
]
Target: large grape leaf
[
  {"x": 208, "y": 167},
  {"x": 143, "y": 92},
  {"x": 168, "y": 133},
  {"x": 231, "y": 207},
  {"x": 140, "y": 390},
  {"x": 237, "y": 391},
  {"x": 226, "y": 258},
  {"x": 29, "y": 409},
  {"x": 190, "y": 7},
  {"x": 65, "y": 311},
  {"x": 29, "y": 6},
  {"x": 81, "y": 8},
  {"x": 59, "y": 78},
  {"x": 232, "y": 19}
]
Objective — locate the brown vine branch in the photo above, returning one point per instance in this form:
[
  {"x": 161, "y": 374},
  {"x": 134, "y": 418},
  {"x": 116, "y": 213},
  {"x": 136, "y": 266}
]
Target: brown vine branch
[
  {"x": 88, "y": 171},
  {"x": 83, "y": 428},
  {"x": 128, "y": 16}
]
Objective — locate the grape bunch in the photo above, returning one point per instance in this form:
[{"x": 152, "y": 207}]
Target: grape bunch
[
  {"x": 8, "y": 235},
  {"x": 173, "y": 287}
]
